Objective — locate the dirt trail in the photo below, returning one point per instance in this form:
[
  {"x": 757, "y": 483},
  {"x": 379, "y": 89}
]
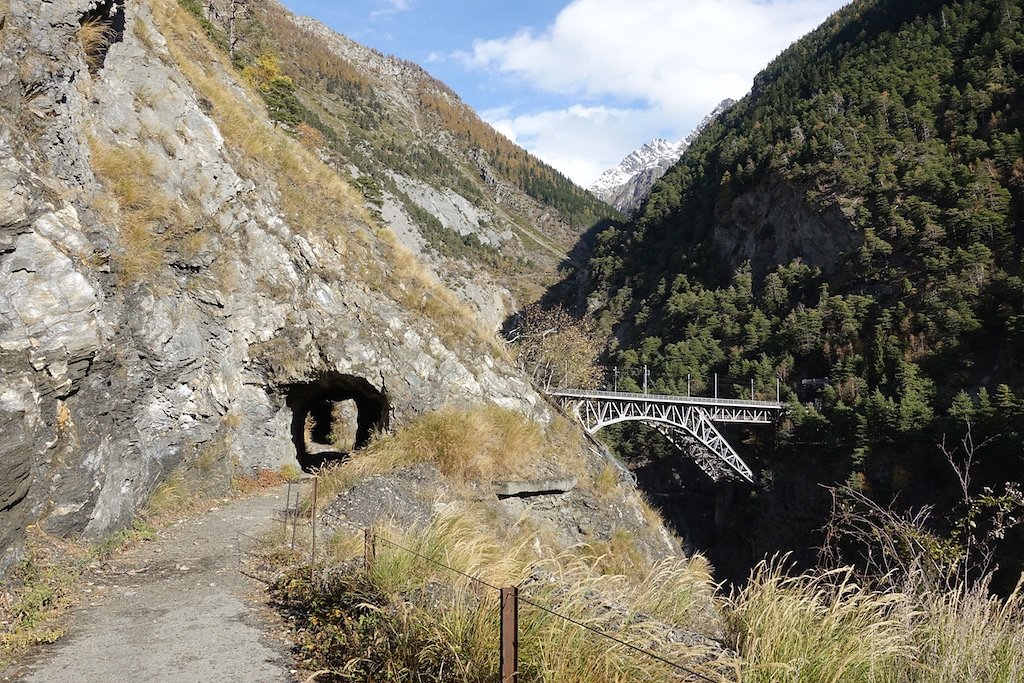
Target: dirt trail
[{"x": 176, "y": 610}]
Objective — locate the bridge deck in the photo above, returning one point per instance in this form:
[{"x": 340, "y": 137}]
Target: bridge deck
[{"x": 665, "y": 398}]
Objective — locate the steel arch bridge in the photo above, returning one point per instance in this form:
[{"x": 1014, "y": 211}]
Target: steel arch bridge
[{"x": 686, "y": 421}]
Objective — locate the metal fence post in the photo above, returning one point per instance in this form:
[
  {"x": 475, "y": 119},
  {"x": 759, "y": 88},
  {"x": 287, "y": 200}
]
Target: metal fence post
[
  {"x": 369, "y": 549},
  {"x": 293, "y": 514},
  {"x": 312, "y": 522},
  {"x": 510, "y": 634},
  {"x": 288, "y": 510}
]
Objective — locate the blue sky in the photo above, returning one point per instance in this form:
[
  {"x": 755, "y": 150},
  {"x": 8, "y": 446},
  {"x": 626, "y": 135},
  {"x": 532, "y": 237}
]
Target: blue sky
[{"x": 581, "y": 83}]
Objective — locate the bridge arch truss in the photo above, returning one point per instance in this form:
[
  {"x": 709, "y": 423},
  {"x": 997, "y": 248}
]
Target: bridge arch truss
[{"x": 687, "y": 423}]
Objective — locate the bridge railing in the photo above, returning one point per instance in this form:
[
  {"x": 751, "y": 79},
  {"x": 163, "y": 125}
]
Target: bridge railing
[
  {"x": 643, "y": 379},
  {"x": 665, "y": 398}
]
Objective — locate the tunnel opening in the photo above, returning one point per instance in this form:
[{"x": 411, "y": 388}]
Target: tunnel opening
[
  {"x": 334, "y": 415},
  {"x": 99, "y": 28}
]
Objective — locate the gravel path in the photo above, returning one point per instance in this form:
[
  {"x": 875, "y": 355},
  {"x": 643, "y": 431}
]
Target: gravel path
[{"x": 176, "y": 610}]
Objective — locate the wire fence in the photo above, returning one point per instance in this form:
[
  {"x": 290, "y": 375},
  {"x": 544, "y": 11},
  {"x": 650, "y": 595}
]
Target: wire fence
[
  {"x": 431, "y": 560},
  {"x": 511, "y": 640}
]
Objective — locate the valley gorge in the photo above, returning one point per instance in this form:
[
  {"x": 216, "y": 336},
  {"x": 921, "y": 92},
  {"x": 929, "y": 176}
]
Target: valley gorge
[{"x": 237, "y": 246}]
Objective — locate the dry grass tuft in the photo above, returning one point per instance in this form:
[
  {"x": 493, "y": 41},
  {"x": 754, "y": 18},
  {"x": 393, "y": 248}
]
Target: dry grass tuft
[
  {"x": 152, "y": 224},
  {"x": 821, "y": 627},
  {"x": 177, "y": 497},
  {"x": 673, "y": 592},
  {"x": 139, "y": 208},
  {"x": 479, "y": 444},
  {"x": 411, "y": 615},
  {"x": 456, "y": 538},
  {"x": 968, "y": 634},
  {"x": 607, "y": 481},
  {"x": 37, "y": 593},
  {"x": 94, "y": 37},
  {"x": 262, "y": 480},
  {"x": 618, "y": 555}
]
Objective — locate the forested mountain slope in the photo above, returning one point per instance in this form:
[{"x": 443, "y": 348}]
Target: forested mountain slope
[{"x": 854, "y": 224}]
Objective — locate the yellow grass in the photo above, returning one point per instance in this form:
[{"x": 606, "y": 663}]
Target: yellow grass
[
  {"x": 816, "y": 628},
  {"x": 966, "y": 634},
  {"x": 823, "y": 626},
  {"x": 479, "y": 444},
  {"x": 148, "y": 219},
  {"x": 462, "y": 621},
  {"x": 607, "y": 481},
  {"x": 94, "y": 36}
]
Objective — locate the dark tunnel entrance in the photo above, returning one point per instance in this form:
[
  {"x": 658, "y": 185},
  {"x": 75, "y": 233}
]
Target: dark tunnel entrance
[{"x": 334, "y": 415}]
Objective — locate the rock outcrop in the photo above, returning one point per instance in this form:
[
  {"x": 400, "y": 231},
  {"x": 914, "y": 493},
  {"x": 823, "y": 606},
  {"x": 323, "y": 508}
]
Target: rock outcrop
[
  {"x": 161, "y": 302},
  {"x": 771, "y": 223}
]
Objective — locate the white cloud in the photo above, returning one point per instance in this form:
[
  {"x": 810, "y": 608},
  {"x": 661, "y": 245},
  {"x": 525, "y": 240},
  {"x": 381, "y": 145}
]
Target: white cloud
[
  {"x": 579, "y": 141},
  {"x": 392, "y": 7},
  {"x": 678, "y": 58}
]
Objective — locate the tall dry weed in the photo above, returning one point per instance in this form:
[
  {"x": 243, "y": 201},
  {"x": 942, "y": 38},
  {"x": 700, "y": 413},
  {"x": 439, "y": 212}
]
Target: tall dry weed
[
  {"x": 969, "y": 634},
  {"x": 817, "y": 627}
]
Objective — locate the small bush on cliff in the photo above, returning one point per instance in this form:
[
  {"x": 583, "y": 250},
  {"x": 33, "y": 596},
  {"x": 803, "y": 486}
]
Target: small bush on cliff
[{"x": 276, "y": 88}]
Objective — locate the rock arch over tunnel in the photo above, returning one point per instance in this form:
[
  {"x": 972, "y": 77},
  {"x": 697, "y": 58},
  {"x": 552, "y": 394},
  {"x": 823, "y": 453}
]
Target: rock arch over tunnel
[{"x": 334, "y": 415}]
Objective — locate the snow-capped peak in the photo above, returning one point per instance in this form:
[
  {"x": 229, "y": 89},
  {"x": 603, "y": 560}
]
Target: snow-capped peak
[
  {"x": 626, "y": 185},
  {"x": 647, "y": 157}
]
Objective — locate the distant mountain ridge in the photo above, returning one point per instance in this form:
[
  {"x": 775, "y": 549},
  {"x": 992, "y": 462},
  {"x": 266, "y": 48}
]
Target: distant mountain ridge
[{"x": 626, "y": 185}]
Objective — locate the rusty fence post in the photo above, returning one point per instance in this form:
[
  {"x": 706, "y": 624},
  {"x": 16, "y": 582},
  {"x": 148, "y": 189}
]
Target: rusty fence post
[
  {"x": 312, "y": 523},
  {"x": 369, "y": 549},
  {"x": 293, "y": 514},
  {"x": 288, "y": 510},
  {"x": 510, "y": 634}
]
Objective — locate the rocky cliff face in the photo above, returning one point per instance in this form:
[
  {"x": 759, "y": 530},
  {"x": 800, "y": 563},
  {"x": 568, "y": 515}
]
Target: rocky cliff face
[
  {"x": 180, "y": 281},
  {"x": 771, "y": 223},
  {"x": 489, "y": 220}
]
